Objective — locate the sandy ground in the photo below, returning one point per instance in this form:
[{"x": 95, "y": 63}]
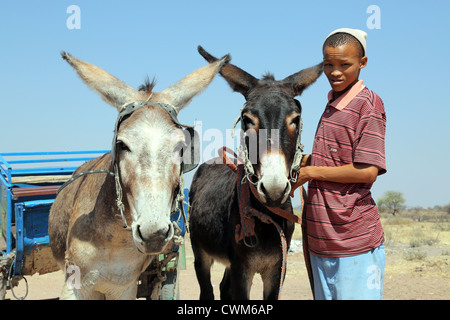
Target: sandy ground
[{"x": 405, "y": 279}]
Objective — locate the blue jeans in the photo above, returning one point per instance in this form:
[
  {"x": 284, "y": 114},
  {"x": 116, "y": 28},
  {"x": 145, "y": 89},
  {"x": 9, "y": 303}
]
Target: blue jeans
[{"x": 358, "y": 277}]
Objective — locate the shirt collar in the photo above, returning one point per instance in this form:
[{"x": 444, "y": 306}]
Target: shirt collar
[{"x": 341, "y": 102}]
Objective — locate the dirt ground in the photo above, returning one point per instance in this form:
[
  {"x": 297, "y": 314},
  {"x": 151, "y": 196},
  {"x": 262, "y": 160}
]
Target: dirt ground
[{"x": 413, "y": 272}]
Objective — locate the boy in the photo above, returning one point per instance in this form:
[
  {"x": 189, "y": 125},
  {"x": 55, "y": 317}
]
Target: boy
[{"x": 344, "y": 233}]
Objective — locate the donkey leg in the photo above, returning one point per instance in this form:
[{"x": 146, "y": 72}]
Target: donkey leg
[
  {"x": 271, "y": 281},
  {"x": 241, "y": 281},
  {"x": 202, "y": 264},
  {"x": 225, "y": 285}
]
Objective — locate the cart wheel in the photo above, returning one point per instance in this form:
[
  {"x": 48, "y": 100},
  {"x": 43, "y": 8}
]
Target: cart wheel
[
  {"x": 169, "y": 288},
  {"x": 5, "y": 269}
]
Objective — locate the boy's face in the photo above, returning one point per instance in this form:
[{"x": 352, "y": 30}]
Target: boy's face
[{"x": 342, "y": 66}]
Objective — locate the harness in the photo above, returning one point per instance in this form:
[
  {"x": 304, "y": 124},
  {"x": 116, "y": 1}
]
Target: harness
[
  {"x": 295, "y": 167},
  {"x": 186, "y": 166}
]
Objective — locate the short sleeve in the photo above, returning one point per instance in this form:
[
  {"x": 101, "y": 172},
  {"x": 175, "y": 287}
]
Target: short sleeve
[{"x": 369, "y": 147}]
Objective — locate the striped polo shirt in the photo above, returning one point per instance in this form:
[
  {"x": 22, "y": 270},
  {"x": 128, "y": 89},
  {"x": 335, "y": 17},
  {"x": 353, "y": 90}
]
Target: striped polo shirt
[{"x": 342, "y": 218}]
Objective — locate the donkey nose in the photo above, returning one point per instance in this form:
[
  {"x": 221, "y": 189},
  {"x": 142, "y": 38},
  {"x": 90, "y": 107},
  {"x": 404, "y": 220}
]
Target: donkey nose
[
  {"x": 153, "y": 241},
  {"x": 274, "y": 194},
  {"x": 146, "y": 235}
]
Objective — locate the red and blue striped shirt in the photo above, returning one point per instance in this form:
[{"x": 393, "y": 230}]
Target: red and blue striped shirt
[{"x": 342, "y": 218}]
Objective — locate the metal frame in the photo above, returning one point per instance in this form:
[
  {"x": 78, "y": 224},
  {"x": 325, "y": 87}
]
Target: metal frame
[
  {"x": 31, "y": 228},
  {"x": 10, "y": 167}
]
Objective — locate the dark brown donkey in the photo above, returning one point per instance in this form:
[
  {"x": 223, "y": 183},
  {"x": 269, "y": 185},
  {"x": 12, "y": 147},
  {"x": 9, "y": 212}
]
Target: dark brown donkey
[{"x": 271, "y": 127}]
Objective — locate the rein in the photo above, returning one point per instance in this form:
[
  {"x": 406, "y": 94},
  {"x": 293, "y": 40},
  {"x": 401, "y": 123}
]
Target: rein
[
  {"x": 115, "y": 174},
  {"x": 245, "y": 231}
]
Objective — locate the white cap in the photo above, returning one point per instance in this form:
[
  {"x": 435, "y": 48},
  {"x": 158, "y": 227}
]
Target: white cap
[{"x": 360, "y": 35}]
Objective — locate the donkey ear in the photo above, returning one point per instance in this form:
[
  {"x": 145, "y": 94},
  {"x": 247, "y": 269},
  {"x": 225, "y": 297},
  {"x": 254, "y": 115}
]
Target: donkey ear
[
  {"x": 239, "y": 80},
  {"x": 182, "y": 92},
  {"x": 303, "y": 79},
  {"x": 112, "y": 90}
]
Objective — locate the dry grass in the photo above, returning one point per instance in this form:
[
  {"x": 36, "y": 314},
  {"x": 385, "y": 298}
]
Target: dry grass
[
  {"x": 417, "y": 230},
  {"x": 418, "y": 243}
]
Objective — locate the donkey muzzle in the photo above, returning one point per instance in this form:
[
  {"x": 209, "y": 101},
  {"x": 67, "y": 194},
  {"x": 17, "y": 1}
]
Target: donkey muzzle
[
  {"x": 273, "y": 192},
  {"x": 273, "y": 186},
  {"x": 152, "y": 240}
]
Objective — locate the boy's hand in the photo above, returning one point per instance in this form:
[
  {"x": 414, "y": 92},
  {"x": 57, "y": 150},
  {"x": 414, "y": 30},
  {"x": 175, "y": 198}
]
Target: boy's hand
[{"x": 301, "y": 179}]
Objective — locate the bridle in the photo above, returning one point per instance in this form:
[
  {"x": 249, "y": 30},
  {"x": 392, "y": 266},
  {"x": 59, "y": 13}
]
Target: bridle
[
  {"x": 245, "y": 172},
  {"x": 248, "y": 166},
  {"x": 125, "y": 111}
]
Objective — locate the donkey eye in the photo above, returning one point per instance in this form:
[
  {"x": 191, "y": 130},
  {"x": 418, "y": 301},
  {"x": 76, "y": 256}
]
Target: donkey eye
[
  {"x": 247, "y": 121},
  {"x": 122, "y": 146},
  {"x": 295, "y": 121},
  {"x": 180, "y": 146}
]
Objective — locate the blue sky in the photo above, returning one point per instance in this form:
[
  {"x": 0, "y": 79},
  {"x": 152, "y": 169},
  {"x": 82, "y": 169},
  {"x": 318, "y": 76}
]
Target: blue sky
[{"x": 46, "y": 107}]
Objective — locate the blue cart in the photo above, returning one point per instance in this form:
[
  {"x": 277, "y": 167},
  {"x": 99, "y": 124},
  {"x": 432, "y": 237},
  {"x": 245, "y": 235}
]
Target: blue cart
[{"x": 28, "y": 185}]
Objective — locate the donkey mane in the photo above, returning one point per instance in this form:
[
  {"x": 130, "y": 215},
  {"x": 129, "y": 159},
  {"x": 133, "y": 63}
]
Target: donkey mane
[
  {"x": 268, "y": 81},
  {"x": 148, "y": 85},
  {"x": 268, "y": 76}
]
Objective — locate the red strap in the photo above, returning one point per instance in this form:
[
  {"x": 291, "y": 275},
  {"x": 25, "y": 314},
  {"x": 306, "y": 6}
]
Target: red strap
[
  {"x": 226, "y": 160},
  {"x": 246, "y": 229}
]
